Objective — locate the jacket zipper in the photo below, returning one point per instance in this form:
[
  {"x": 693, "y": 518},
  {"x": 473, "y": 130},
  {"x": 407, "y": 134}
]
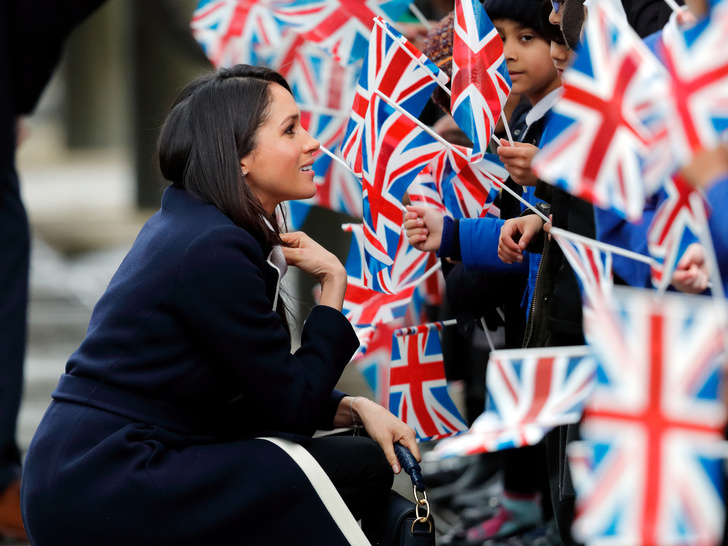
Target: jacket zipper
[{"x": 531, "y": 319}]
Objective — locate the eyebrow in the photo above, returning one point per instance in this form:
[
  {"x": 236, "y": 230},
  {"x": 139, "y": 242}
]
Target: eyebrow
[{"x": 292, "y": 117}]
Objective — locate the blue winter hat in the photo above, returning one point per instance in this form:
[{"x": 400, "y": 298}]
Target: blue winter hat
[{"x": 526, "y": 12}]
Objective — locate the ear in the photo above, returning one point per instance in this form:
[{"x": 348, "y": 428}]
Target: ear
[{"x": 243, "y": 167}]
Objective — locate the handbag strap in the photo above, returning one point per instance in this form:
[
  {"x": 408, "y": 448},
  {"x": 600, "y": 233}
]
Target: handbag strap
[{"x": 410, "y": 465}]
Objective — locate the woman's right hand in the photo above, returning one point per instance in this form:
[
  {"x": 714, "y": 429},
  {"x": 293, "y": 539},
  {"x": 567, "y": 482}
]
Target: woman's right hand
[{"x": 310, "y": 257}]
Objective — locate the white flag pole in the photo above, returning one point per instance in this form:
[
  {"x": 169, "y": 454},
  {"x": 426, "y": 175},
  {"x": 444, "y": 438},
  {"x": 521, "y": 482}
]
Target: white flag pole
[
  {"x": 338, "y": 160},
  {"x": 673, "y": 5},
  {"x": 605, "y": 247},
  {"x": 487, "y": 334},
  {"x": 508, "y": 129}
]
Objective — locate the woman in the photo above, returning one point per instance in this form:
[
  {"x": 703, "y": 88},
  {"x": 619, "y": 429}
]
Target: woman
[{"x": 155, "y": 432}]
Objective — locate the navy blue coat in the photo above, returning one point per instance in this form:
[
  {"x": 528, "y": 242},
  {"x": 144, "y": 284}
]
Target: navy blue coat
[{"x": 150, "y": 438}]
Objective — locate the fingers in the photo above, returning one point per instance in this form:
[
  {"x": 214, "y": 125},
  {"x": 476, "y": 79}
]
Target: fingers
[
  {"x": 531, "y": 225},
  {"x": 392, "y": 459},
  {"x": 509, "y": 254},
  {"x": 509, "y": 250},
  {"x": 692, "y": 281},
  {"x": 410, "y": 443},
  {"x": 293, "y": 238},
  {"x": 417, "y": 210}
]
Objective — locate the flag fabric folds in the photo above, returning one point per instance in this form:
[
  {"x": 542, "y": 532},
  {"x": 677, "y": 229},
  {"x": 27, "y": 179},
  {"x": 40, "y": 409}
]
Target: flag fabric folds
[
  {"x": 322, "y": 87},
  {"x": 400, "y": 72},
  {"x": 593, "y": 268},
  {"x": 480, "y": 81},
  {"x": 649, "y": 468},
  {"x": 235, "y": 31},
  {"x": 339, "y": 27},
  {"x": 674, "y": 226},
  {"x": 425, "y": 190},
  {"x": 366, "y": 306},
  {"x": 470, "y": 188},
  {"x": 394, "y": 151},
  {"x": 454, "y": 185},
  {"x": 530, "y": 391},
  {"x": 417, "y": 387},
  {"x": 373, "y": 363},
  {"x": 606, "y": 141},
  {"x": 697, "y": 60}
]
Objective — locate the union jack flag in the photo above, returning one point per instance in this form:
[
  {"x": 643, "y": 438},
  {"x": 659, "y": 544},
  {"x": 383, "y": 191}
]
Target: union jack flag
[
  {"x": 340, "y": 27},
  {"x": 666, "y": 240},
  {"x": 400, "y": 72},
  {"x": 374, "y": 362},
  {"x": 593, "y": 268},
  {"x": 322, "y": 87},
  {"x": 606, "y": 139},
  {"x": 365, "y": 306},
  {"x": 480, "y": 80},
  {"x": 406, "y": 269},
  {"x": 296, "y": 213},
  {"x": 432, "y": 289},
  {"x": 425, "y": 190},
  {"x": 394, "y": 151},
  {"x": 235, "y": 31},
  {"x": 338, "y": 189},
  {"x": 417, "y": 387},
  {"x": 469, "y": 188},
  {"x": 452, "y": 184},
  {"x": 652, "y": 471},
  {"x": 530, "y": 391},
  {"x": 697, "y": 60}
]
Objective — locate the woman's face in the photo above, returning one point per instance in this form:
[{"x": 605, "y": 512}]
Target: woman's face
[{"x": 280, "y": 167}]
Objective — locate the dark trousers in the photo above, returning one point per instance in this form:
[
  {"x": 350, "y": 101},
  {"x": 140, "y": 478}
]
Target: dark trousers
[
  {"x": 563, "y": 496},
  {"x": 357, "y": 467},
  {"x": 14, "y": 260}
]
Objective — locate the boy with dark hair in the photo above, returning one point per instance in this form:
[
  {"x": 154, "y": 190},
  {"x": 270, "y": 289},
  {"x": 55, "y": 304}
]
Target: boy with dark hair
[{"x": 474, "y": 241}]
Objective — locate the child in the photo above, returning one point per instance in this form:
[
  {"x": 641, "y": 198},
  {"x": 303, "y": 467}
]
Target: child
[
  {"x": 556, "y": 315},
  {"x": 474, "y": 241}
]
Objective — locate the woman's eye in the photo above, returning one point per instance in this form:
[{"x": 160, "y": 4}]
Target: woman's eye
[
  {"x": 526, "y": 37},
  {"x": 290, "y": 129}
]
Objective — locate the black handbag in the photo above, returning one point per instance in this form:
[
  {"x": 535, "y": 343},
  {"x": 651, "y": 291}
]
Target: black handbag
[{"x": 404, "y": 523}]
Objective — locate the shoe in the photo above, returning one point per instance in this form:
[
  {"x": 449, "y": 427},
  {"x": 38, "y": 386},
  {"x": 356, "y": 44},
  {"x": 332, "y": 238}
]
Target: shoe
[
  {"x": 11, "y": 523},
  {"x": 516, "y": 514}
]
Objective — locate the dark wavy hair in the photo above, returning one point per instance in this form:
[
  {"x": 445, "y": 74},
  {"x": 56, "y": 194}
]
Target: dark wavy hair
[{"x": 212, "y": 124}]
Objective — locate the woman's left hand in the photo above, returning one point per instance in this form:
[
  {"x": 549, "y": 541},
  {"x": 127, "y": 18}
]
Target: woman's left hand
[{"x": 384, "y": 428}]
